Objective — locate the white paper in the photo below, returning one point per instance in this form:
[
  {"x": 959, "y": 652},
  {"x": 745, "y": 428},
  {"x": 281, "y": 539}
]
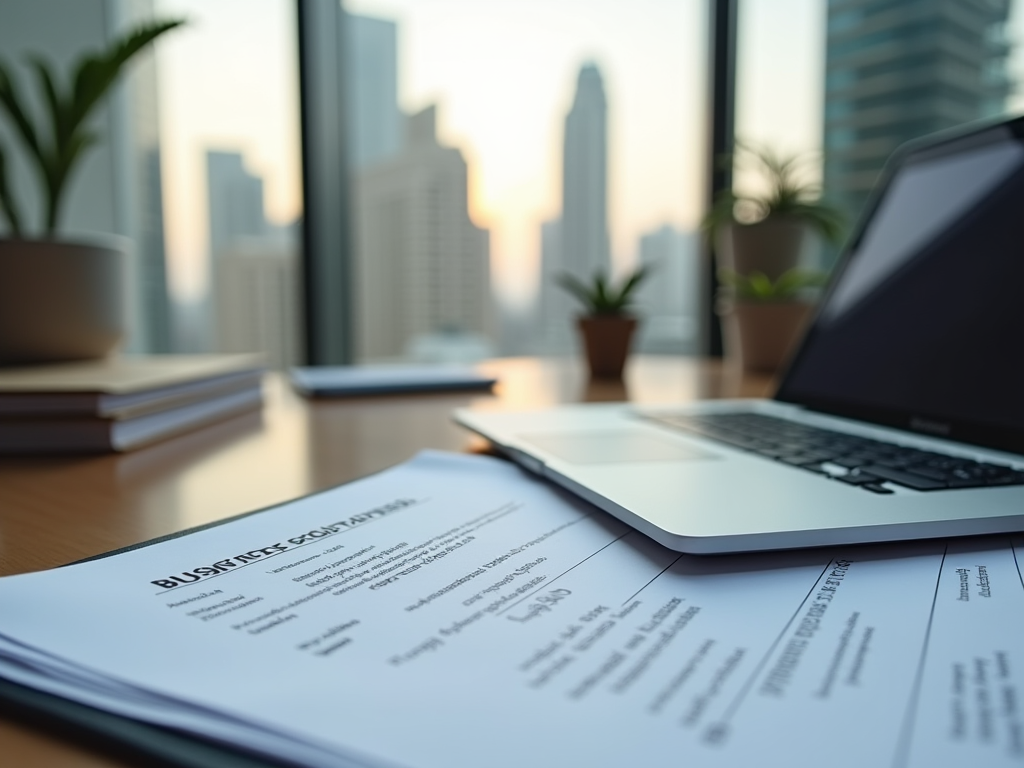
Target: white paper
[{"x": 456, "y": 612}]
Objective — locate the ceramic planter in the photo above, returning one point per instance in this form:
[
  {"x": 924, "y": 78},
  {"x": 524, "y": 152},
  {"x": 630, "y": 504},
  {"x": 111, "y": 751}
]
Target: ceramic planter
[
  {"x": 761, "y": 335},
  {"x": 772, "y": 246},
  {"x": 60, "y": 301},
  {"x": 606, "y": 341}
]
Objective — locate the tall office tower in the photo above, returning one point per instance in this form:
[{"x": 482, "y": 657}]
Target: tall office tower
[
  {"x": 584, "y": 246},
  {"x": 901, "y": 69},
  {"x": 253, "y": 267},
  {"x": 556, "y": 308},
  {"x": 117, "y": 189},
  {"x": 578, "y": 242},
  {"x": 155, "y": 298},
  {"x": 669, "y": 298},
  {"x": 374, "y": 121},
  {"x": 422, "y": 265},
  {"x": 256, "y": 301},
  {"x": 235, "y": 201}
]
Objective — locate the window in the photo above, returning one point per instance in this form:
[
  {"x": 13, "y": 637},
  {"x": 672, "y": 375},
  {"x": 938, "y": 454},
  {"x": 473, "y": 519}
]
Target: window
[
  {"x": 229, "y": 109},
  {"x": 858, "y": 78},
  {"x": 492, "y": 146}
]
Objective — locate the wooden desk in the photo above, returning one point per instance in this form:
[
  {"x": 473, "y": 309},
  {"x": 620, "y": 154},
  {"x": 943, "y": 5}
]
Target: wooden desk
[{"x": 57, "y": 510}]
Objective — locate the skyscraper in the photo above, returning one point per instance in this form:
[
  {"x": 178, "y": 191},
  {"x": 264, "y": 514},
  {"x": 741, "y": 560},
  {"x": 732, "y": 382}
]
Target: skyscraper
[
  {"x": 577, "y": 242},
  {"x": 235, "y": 200},
  {"x": 901, "y": 69},
  {"x": 253, "y": 267},
  {"x": 257, "y": 298},
  {"x": 374, "y": 129},
  {"x": 669, "y": 300},
  {"x": 423, "y": 267},
  {"x": 584, "y": 230}
]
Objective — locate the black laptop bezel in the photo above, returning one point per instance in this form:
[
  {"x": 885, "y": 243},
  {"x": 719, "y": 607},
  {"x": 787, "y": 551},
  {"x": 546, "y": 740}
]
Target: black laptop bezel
[{"x": 919, "y": 423}]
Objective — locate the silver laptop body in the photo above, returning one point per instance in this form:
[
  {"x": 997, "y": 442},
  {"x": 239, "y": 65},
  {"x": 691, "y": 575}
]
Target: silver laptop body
[{"x": 911, "y": 374}]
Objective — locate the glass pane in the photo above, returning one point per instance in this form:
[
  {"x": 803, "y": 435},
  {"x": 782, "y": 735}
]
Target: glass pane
[
  {"x": 232, "y": 175},
  {"x": 854, "y": 79},
  {"x": 496, "y": 145}
]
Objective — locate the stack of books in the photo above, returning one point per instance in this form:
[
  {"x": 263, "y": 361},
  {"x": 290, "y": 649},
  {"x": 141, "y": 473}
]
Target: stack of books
[{"x": 122, "y": 403}]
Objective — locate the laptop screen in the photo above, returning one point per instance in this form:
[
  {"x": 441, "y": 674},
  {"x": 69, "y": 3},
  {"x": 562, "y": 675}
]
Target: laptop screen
[{"x": 922, "y": 327}]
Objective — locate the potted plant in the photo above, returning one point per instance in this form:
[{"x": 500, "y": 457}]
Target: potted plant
[
  {"x": 59, "y": 299},
  {"x": 764, "y": 231},
  {"x": 764, "y": 317},
  {"x": 607, "y": 326},
  {"x": 759, "y": 238}
]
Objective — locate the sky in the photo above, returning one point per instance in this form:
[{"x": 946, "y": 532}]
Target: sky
[{"x": 502, "y": 73}]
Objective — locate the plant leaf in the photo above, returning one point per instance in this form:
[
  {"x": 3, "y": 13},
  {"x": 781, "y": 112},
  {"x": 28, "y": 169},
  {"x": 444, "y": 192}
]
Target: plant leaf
[
  {"x": 73, "y": 151},
  {"x": 12, "y": 102},
  {"x": 96, "y": 74},
  {"x": 601, "y": 297},
  {"x": 574, "y": 286},
  {"x": 7, "y": 204},
  {"x": 631, "y": 283}
]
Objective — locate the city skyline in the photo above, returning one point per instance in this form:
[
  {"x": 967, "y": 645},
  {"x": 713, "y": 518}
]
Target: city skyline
[
  {"x": 505, "y": 114},
  {"x": 513, "y": 162}
]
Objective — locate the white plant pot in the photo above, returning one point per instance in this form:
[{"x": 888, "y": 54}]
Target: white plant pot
[{"x": 60, "y": 301}]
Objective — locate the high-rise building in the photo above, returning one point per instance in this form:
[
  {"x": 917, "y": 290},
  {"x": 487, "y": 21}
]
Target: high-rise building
[
  {"x": 584, "y": 230},
  {"x": 235, "y": 201},
  {"x": 669, "y": 298},
  {"x": 375, "y": 123},
  {"x": 254, "y": 290},
  {"x": 900, "y": 69},
  {"x": 256, "y": 298},
  {"x": 578, "y": 242},
  {"x": 422, "y": 266},
  {"x": 157, "y": 329}
]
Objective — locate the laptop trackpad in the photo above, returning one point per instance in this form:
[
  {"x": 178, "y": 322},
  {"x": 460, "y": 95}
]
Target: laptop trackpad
[{"x": 611, "y": 447}]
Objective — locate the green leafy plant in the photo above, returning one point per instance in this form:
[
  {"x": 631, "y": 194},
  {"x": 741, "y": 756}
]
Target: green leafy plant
[
  {"x": 787, "y": 194},
  {"x": 56, "y": 142},
  {"x": 759, "y": 287},
  {"x": 600, "y": 297}
]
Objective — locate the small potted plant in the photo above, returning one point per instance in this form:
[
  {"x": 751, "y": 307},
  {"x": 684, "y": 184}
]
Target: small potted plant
[
  {"x": 759, "y": 238},
  {"x": 607, "y": 326},
  {"x": 59, "y": 299},
  {"x": 765, "y": 231},
  {"x": 764, "y": 317}
]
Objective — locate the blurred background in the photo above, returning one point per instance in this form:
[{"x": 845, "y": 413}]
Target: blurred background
[{"x": 400, "y": 180}]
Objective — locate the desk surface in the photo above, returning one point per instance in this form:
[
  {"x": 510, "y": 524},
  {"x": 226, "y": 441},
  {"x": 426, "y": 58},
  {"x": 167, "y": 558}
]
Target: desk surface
[{"x": 57, "y": 510}]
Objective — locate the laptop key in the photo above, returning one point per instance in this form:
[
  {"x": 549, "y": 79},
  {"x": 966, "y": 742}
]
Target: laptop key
[
  {"x": 876, "y": 488},
  {"x": 929, "y": 472},
  {"x": 906, "y": 479},
  {"x": 857, "y": 478},
  {"x": 806, "y": 458}
]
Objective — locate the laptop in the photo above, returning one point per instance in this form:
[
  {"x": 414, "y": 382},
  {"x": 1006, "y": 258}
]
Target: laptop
[{"x": 900, "y": 416}]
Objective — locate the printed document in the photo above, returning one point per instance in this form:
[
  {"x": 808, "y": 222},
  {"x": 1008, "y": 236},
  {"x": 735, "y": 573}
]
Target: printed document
[{"x": 455, "y": 611}]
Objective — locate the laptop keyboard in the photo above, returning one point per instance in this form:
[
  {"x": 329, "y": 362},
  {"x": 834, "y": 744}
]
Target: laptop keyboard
[{"x": 858, "y": 461}]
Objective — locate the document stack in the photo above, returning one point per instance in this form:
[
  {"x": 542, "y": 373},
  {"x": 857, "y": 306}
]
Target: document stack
[
  {"x": 455, "y": 612},
  {"x": 121, "y": 403}
]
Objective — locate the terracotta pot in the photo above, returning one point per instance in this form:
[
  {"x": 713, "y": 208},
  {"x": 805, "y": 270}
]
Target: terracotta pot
[
  {"x": 772, "y": 246},
  {"x": 60, "y": 301},
  {"x": 761, "y": 335},
  {"x": 606, "y": 340}
]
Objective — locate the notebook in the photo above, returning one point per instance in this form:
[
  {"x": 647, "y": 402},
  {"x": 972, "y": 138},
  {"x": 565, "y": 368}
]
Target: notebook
[{"x": 900, "y": 416}]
